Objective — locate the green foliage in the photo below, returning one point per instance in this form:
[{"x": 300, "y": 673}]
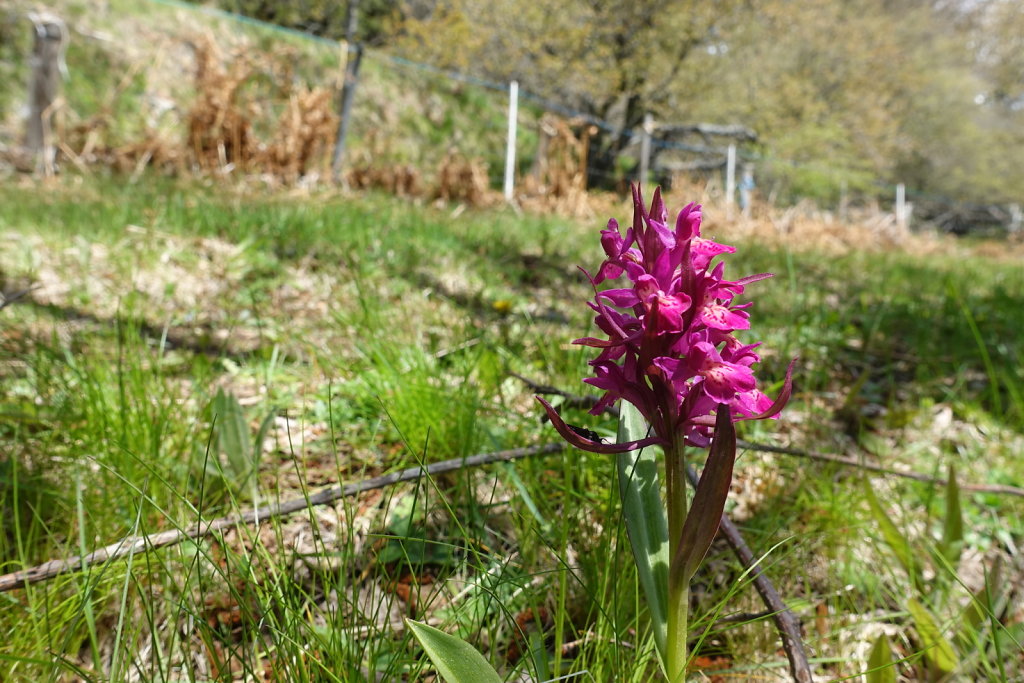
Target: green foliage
[
  {"x": 373, "y": 325},
  {"x": 859, "y": 92},
  {"x": 106, "y": 89},
  {"x": 644, "y": 515},
  {"x": 15, "y": 43},
  {"x": 937, "y": 648},
  {"x": 952, "y": 543},
  {"x": 232, "y": 464},
  {"x": 322, "y": 18},
  {"x": 880, "y": 665},
  {"x": 967, "y": 651},
  {"x": 896, "y": 540},
  {"x": 456, "y": 660}
]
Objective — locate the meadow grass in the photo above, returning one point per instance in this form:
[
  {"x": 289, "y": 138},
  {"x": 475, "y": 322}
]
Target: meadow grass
[{"x": 366, "y": 335}]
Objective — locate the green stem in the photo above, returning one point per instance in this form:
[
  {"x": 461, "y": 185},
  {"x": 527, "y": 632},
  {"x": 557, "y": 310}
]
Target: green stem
[{"x": 678, "y": 591}]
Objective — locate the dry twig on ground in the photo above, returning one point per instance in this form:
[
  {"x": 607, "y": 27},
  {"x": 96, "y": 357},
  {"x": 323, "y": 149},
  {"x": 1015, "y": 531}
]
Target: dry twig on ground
[{"x": 138, "y": 544}]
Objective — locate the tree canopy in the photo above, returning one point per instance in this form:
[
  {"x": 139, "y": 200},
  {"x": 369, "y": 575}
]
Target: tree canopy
[{"x": 854, "y": 93}]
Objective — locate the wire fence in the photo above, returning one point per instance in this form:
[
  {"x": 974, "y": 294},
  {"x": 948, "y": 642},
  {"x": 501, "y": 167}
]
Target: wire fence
[{"x": 647, "y": 152}]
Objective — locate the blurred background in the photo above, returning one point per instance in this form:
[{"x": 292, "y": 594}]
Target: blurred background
[{"x": 845, "y": 104}]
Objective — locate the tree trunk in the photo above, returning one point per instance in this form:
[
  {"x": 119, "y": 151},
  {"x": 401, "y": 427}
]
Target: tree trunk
[{"x": 606, "y": 147}]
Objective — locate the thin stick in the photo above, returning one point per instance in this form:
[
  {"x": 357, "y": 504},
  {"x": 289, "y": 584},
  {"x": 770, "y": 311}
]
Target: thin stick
[
  {"x": 137, "y": 544},
  {"x": 850, "y": 462},
  {"x": 785, "y": 620},
  {"x": 1001, "y": 489},
  {"x": 8, "y": 299}
]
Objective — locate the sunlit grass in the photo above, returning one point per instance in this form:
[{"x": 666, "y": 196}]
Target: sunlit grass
[{"x": 377, "y": 335}]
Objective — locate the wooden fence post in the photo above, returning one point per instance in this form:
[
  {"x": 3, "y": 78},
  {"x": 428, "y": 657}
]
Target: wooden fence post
[
  {"x": 354, "y": 52},
  {"x": 51, "y": 38},
  {"x": 510, "y": 148}
]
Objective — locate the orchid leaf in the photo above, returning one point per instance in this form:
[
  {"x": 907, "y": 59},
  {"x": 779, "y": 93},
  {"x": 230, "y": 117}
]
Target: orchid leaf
[
  {"x": 646, "y": 523},
  {"x": 938, "y": 651},
  {"x": 892, "y": 536},
  {"x": 233, "y": 435},
  {"x": 456, "y": 660},
  {"x": 880, "y": 666},
  {"x": 953, "y": 527},
  {"x": 985, "y": 602},
  {"x": 705, "y": 515}
]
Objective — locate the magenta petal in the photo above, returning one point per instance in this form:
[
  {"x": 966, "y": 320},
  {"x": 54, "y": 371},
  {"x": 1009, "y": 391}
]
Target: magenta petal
[
  {"x": 722, "y": 381},
  {"x": 722, "y": 317},
  {"x": 668, "y": 365},
  {"x": 783, "y": 398},
  {"x": 658, "y": 211},
  {"x": 611, "y": 239},
  {"x": 623, "y": 298},
  {"x": 688, "y": 222},
  {"x": 639, "y": 212}
]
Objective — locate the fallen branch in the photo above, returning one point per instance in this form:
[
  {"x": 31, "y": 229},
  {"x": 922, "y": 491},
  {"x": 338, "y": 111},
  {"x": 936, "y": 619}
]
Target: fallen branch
[
  {"x": 8, "y": 299},
  {"x": 1002, "y": 489},
  {"x": 138, "y": 544},
  {"x": 577, "y": 401},
  {"x": 785, "y": 621}
]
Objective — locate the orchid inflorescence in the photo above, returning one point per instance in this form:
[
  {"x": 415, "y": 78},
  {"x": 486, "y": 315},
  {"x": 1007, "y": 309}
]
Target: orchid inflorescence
[
  {"x": 672, "y": 353},
  {"x": 670, "y": 350}
]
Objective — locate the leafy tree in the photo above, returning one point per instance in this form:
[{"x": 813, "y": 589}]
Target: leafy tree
[
  {"x": 849, "y": 92},
  {"x": 324, "y": 18},
  {"x": 612, "y": 60}
]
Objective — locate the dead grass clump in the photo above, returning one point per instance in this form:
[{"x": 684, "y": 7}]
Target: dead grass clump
[
  {"x": 154, "y": 150},
  {"x": 558, "y": 181},
  {"x": 304, "y": 134},
  {"x": 402, "y": 180},
  {"x": 807, "y": 227},
  {"x": 803, "y": 226},
  {"x": 464, "y": 181},
  {"x": 219, "y": 129}
]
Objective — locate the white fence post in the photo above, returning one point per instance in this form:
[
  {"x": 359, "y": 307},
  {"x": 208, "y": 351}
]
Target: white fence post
[
  {"x": 730, "y": 180},
  {"x": 510, "y": 149},
  {"x": 901, "y": 206},
  {"x": 645, "y": 149},
  {"x": 844, "y": 202},
  {"x": 1016, "y": 218}
]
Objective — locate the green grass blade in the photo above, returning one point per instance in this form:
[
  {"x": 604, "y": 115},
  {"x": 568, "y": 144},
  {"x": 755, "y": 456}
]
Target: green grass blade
[
  {"x": 953, "y": 527},
  {"x": 233, "y": 437},
  {"x": 456, "y": 660},
  {"x": 880, "y": 666},
  {"x": 645, "y": 519},
  {"x": 892, "y": 536},
  {"x": 937, "y": 649}
]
